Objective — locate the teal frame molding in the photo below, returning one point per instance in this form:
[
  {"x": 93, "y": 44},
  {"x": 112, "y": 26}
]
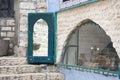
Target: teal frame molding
[
  {"x": 49, "y": 18},
  {"x": 93, "y": 70},
  {"x": 55, "y": 37},
  {"x": 77, "y": 5}
]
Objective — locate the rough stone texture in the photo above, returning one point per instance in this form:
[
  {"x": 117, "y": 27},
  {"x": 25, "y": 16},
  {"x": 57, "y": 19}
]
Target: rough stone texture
[
  {"x": 8, "y": 39},
  {"x": 105, "y": 13},
  {"x": 7, "y": 61},
  {"x": 16, "y": 68},
  {"x": 10, "y": 22},
  {"x": 41, "y": 5},
  {"x": 27, "y": 6},
  {"x": 33, "y": 76},
  {"x": 10, "y": 34},
  {"x": 19, "y": 69},
  {"x": 3, "y": 34},
  {"x": 6, "y": 26}
]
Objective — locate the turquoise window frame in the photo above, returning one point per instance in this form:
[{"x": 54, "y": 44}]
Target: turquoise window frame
[
  {"x": 77, "y": 5},
  {"x": 87, "y": 69},
  {"x": 50, "y": 19},
  {"x": 93, "y": 70}
]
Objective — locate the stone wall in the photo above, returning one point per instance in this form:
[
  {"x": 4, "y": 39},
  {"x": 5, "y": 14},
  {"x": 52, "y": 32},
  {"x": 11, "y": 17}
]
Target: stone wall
[
  {"x": 25, "y": 7},
  {"x": 106, "y": 13},
  {"x": 7, "y": 28},
  {"x": 7, "y": 35}
]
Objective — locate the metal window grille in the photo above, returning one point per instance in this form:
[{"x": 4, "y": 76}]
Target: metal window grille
[{"x": 7, "y": 8}]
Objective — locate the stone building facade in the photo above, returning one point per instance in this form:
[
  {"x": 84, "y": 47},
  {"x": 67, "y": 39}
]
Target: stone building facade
[
  {"x": 14, "y": 41},
  {"x": 104, "y": 12},
  {"x": 14, "y": 31}
]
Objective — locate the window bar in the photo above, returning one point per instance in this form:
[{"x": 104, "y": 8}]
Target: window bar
[
  {"x": 77, "y": 46},
  {"x": 67, "y": 56},
  {"x": 10, "y": 8}
]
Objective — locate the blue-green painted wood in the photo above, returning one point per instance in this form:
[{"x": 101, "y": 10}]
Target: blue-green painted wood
[
  {"x": 49, "y": 18},
  {"x": 77, "y": 5},
  {"x": 55, "y": 37},
  {"x": 95, "y": 70}
]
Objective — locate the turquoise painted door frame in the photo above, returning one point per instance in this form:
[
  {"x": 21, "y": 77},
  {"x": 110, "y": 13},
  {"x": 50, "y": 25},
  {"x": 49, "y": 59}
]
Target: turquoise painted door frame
[{"x": 50, "y": 19}]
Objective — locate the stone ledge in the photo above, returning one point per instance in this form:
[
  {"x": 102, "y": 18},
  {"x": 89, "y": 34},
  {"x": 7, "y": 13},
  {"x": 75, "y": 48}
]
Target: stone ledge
[
  {"x": 7, "y": 61},
  {"x": 18, "y": 69},
  {"x": 33, "y": 76}
]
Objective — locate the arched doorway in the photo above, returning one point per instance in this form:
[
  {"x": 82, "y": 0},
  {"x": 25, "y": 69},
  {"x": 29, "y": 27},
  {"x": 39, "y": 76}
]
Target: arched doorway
[{"x": 90, "y": 47}]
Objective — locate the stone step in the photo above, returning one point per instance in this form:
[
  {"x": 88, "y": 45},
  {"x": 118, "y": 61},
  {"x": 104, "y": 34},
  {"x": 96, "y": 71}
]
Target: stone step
[
  {"x": 6, "y": 61},
  {"x": 33, "y": 76},
  {"x": 19, "y": 69}
]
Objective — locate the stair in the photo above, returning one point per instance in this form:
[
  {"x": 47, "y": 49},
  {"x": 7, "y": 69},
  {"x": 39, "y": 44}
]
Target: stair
[
  {"x": 8, "y": 61},
  {"x": 16, "y": 68}
]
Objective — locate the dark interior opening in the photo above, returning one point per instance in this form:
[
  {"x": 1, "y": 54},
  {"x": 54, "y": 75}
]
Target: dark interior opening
[
  {"x": 6, "y": 8},
  {"x": 65, "y": 0}
]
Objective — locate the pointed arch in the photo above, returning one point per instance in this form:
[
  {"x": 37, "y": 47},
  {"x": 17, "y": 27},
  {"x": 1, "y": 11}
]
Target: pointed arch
[
  {"x": 88, "y": 43},
  {"x": 40, "y": 38}
]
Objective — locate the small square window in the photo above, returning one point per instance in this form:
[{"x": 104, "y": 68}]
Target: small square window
[{"x": 6, "y": 8}]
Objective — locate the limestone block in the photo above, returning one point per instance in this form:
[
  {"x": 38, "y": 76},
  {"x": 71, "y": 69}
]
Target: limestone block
[
  {"x": 7, "y": 70},
  {"x": 21, "y": 51},
  {"x": 27, "y": 69},
  {"x": 52, "y": 68},
  {"x": 25, "y": 12},
  {"x": 2, "y": 21},
  {"x": 3, "y": 34},
  {"x": 5, "y": 28},
  {"x": 24, "y": 28},
  {"x": 23, "y": 20},
  {"x": 10, "y": 34},
  {"x": 7, "y": 61},
  {"x": 41, "y": 10},
  {"x": 10, "y": 22},
  {"x": 41, "y": 5},
  {"x": 55, "y": 76},
  {"x": 5, "y": 38},
  {"x": 23, "y": 42},
  {"x": 16, "y": 77},
  {"x": 42, "y": 76},
  {"x": 27, "y": 5},
  {"x": 23, "y": 35}
]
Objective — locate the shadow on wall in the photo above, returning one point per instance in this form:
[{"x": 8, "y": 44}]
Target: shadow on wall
[{"x": 3, "y": 47}]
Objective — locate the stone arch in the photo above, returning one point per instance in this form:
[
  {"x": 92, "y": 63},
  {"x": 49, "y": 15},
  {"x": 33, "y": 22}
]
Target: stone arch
[{"x": 102, "y": 42}]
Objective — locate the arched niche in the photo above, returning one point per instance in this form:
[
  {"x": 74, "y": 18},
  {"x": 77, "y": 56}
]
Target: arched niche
[
  {"x": 88, "y": 45},
  {"x": 40, "y": 38}
]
